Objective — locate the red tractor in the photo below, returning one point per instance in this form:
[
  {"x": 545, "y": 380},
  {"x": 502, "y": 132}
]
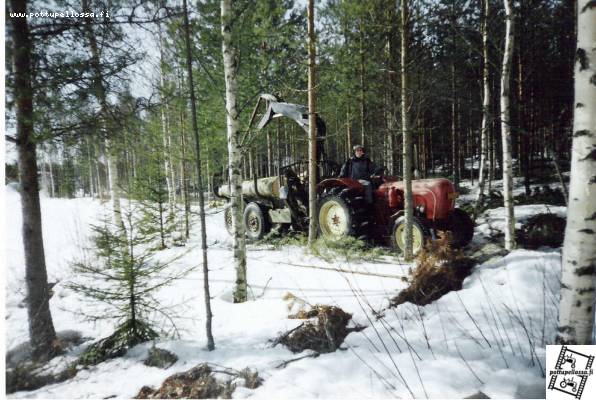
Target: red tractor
[{"x": 342, "y": 210}]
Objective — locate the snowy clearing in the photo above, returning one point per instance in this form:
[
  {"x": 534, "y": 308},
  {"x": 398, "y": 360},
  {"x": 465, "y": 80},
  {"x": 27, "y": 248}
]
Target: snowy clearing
[{"x": 488, "y": 337}]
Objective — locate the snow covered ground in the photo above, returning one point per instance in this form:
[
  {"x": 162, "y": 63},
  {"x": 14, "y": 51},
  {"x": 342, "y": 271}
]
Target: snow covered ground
[{"x": 488, "y": 337}]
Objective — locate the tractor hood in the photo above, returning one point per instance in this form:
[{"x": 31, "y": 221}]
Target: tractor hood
[{"x": 435, "y": 196}]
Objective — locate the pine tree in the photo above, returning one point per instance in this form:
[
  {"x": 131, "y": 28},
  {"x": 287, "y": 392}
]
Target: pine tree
[{"x": 41, "y": 327}]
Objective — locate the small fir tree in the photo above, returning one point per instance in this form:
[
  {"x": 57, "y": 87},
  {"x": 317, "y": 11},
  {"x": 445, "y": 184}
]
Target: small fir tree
[
  {"x": 150, "y": 190},
  {"x": 122, "y": 277},
  {"x": 156, "y": 223}
]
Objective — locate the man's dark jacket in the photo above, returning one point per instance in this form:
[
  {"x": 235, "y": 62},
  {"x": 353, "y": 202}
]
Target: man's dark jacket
[{"x": 357, "y": 168}]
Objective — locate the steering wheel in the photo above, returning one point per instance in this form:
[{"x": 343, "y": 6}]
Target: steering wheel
[{"x": 378, "y": 175}]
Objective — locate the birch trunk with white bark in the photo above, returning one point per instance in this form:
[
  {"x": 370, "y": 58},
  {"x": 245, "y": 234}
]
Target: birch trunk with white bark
[
  {"x": 485, "y": 112},
  {"x": 184, "y": 174},
  {"x": 576, "y": 309},
  {"x": 362, "y": 86},
  {"x": 51, "y": 172},
  {"x": 90, "y": 168},
  {"x": 392, "y": 97},
  {"x": 234, "y": 150},
  {"x": 166, "y": 139},
  {"x": 506, "y": 129}
]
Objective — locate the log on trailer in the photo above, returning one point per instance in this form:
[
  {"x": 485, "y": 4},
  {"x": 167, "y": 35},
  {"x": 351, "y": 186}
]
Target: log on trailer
[{"x": 265, "y": 187}]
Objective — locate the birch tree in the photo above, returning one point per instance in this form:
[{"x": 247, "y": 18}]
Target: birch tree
[
  {"x": 312, "y": 127},
  {"x": 234, "y": 150},
  {"x": 576, "y": 309},
  {"x": 166, "y": 137},
  {"x": 406, "y": 133},
  {"x": 485, "y": 111},
  {"x": 391, "y": 54},
  {"x": 506, "y": 129},
  {"x": 42, "y": 335},
  {"x": 361, "y": 71}
]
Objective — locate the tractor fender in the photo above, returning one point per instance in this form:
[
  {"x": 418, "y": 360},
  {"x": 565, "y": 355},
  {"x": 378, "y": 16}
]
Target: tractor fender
[
  {"x": 401, "y": 216},
  {"x": 394, "y": 219},
  {"x": 398, "y": 215},
  {"x": 339, "y": 182}
]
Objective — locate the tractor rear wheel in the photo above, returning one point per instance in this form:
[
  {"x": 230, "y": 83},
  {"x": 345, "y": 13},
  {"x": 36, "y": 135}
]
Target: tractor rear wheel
[
  {"x": 420, "y": 234},
  {"x": 340, "y": 214},
  {"x": 461, "y": 227},
  {"x": 255, "y": 221}
]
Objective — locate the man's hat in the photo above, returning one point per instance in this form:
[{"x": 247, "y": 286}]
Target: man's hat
[{"x": 358, "y": 146}]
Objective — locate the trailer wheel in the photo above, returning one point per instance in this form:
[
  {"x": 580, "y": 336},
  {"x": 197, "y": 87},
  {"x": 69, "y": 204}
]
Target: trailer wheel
[
  {"x": 420, "y": 234},
  {"x": 256, "y": 223}
]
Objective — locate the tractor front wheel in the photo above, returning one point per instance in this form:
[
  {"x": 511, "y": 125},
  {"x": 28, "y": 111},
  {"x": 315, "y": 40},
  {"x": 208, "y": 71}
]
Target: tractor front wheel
[
  {"x": 342, "y": 212},
  {"x": 335, "y": 218},
  {"x": 420, "y": 234},
  {"x": 255, "y": 221}
]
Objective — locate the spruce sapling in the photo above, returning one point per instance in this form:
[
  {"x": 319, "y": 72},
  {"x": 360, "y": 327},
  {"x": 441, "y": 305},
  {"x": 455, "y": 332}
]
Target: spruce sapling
[{"x": 123, "y": 278}]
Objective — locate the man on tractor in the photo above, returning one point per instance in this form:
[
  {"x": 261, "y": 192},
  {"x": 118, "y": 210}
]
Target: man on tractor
[{"x": 360, "y": 168}]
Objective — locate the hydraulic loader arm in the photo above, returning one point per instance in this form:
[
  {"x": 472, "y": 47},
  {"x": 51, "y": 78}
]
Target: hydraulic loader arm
[{"x": 296, "y": 112}]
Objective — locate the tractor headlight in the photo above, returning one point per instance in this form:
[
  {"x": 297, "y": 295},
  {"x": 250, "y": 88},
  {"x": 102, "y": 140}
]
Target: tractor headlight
[
  {"x": 283, "y": 192},
  {"x": 421, "y": 209}
]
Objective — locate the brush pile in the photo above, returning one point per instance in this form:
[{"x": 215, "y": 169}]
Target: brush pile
[
  {"x": 440, "y": 269},
  {"x": 542, "y": 230},
  {"x": 323, "y": 332},
  {"x": 200, "y": 383}
]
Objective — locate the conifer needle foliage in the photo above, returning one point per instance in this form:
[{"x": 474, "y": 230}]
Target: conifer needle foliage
[{"x": 121, "y": 280}]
